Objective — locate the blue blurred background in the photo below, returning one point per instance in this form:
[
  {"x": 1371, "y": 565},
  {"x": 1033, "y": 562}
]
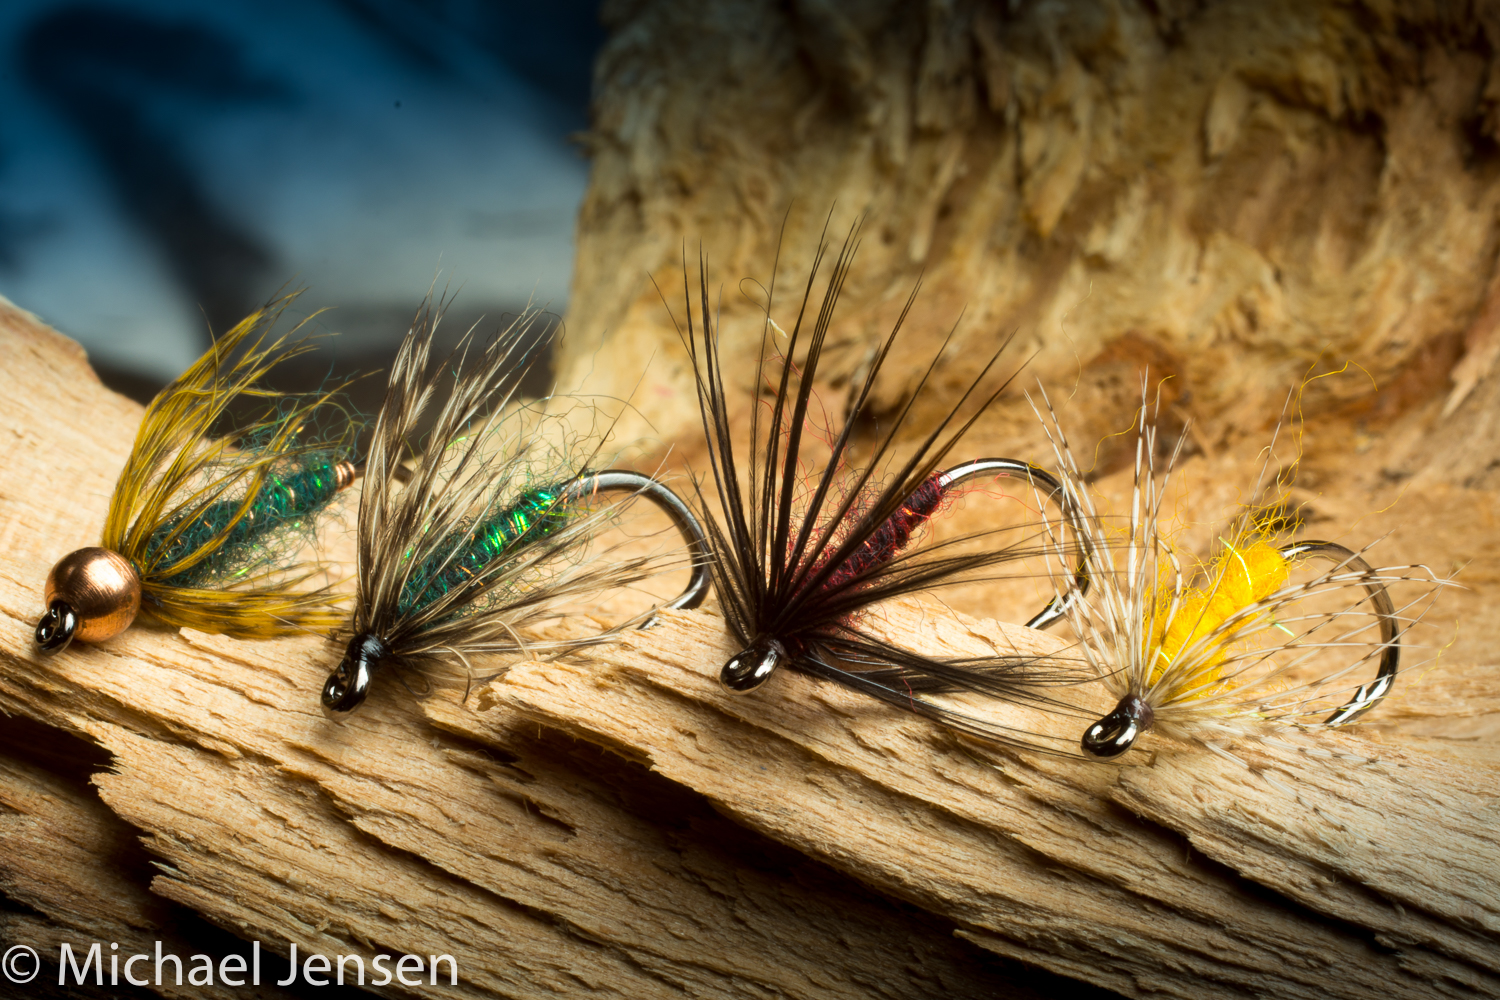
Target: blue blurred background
[{"x": 167, "y": 166}]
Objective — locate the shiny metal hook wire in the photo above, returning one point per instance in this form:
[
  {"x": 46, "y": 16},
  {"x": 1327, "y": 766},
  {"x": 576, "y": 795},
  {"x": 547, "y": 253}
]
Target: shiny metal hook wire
[
  {"x": 625, "y": 481},
  {"x": 1368, "y": 695},
  {"x": 1117, "y": 731},
  {"x": 1057, "y": 608}
]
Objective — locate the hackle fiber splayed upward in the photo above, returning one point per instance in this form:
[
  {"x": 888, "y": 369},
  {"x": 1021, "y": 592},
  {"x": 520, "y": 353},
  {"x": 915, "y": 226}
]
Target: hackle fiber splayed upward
[
  {"x": 495, "y": 529},
  {"x": 1264, "y": 638},
  {"x": 204, "y": 531},
  {"x": 800, "y": 559}
]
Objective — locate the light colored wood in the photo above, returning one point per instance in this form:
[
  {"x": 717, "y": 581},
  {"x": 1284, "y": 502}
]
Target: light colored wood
[
  {"x": 1237, "y": 194},
  {"x": 551, "y": 867},
  {"x": 1177, "y": 872},
  {"x": 82, "y": 873},
  {"x": 1240, "y": 195},
  {"x": 546, "y": 867}
]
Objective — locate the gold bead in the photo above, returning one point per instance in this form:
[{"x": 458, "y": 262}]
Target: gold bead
[
  {"x": 344, "y": 474},
  {"x": 101, "y": 587}
]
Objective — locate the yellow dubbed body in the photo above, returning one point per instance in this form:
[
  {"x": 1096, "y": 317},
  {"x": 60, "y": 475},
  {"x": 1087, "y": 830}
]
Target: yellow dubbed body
[{"x": 1239, "y": 578}]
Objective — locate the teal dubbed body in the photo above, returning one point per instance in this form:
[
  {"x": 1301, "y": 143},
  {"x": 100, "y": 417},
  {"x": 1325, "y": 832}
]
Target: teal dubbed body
[
  {"x": 533, "y": 516},
  {"x": 307, "y": 485}
]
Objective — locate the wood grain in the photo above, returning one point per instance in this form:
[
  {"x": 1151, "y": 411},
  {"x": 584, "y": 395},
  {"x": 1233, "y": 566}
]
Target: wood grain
[
  {"x": 546, "y": 867},
  {"x": 1239, "y": 195},
  {"x": 1179, "y": 872}
]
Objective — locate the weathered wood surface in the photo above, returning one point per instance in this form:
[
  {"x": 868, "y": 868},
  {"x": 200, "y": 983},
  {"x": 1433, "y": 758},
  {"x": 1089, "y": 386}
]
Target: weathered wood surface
[
  {"x": 1177, "y": 873},
  {"x": 1238, "y": 195},
  {"x": 545, "y": 866},
  {"x": 79, "y": 870},
  {"x": 1234, "y": 193},
  {"x": 1230, "y": 194}
]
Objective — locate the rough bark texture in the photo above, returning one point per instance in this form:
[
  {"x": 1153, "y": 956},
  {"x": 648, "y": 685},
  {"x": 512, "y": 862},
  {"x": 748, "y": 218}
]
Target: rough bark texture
[
  {"x": 1181, "y": 874},
  {"x": 545, "y": 866},
  {"x": 1236, "y": 193},
  {"x": 550, "y": 866}
]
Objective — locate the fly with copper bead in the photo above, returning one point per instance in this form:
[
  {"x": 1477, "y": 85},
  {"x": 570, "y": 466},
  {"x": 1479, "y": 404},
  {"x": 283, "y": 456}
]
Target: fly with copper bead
[{"x": 205, "y": 524}]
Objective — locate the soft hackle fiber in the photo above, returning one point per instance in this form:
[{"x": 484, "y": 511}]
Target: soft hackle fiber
[
  {"x": 212, "y": 524},
  {"x": 800, "y": 559},
  {"x": 1252, "y": 640},
  {"x": 493, "y": 531}
]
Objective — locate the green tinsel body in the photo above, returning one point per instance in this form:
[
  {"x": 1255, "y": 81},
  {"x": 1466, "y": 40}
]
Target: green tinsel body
[
  {"x": 535, "y": 515},
  {"x": 283, "y": 499}
]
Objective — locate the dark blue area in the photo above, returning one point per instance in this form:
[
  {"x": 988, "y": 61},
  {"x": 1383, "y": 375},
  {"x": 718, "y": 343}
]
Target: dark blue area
[
  {"x": 551, "y": 45},
  {"x": 111, "y": 73},
  {"x": 213, "y": 129}
]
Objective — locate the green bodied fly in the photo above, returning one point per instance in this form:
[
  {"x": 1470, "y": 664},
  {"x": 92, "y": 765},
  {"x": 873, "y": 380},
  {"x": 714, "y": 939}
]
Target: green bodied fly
[{"x": 535, "y": 515}]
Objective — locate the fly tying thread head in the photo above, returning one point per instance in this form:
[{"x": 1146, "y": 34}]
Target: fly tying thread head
[
  {"x": 349, "y": 684},
  {"x": 503, "y": 542},
  {"x": 1251, "y": 647},
  {"x": 798, "y": 562},
  {"x": 752, "y": 666},
  {"x": 1117, "y": 731}
]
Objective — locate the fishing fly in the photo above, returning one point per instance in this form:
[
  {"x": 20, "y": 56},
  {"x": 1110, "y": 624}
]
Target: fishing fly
[
  {"x": 1262, "y": 637},
  {"x": 486, "y": 537},
  {"x": 798, "y": 560},
  {"x": 203, "y": 531}
]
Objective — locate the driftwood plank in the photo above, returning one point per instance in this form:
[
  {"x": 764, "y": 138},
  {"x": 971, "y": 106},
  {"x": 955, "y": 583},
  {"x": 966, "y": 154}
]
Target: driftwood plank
[
  {"x": 81, "y": 874},
  {"x": 542, "y": 865},
  {"x": 1178, "y": 873}
]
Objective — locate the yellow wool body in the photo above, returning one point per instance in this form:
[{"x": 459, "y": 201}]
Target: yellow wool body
[{"x": 1239, "y": 578}]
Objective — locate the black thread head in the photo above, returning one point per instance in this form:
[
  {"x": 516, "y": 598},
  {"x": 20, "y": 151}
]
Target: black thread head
[
  {"x": 1117, "y": 731},
  {"x": 752, "y": 667},
  {"x": 349, "y": 684}
]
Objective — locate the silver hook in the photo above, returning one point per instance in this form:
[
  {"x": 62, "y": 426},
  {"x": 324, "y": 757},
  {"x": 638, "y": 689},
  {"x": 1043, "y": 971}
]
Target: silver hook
[
  {"x": 624, "y": 481},
  {"x": 1057, "y": 608},
  {"x": 1368, "y": 695}
]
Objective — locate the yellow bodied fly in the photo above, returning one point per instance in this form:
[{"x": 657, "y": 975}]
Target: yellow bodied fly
[{"x": 1257, "y": 638}]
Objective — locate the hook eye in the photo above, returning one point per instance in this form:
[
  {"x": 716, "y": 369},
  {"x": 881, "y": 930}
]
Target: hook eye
[
  {"x": 349, "y": 684},
  {"x": 1117, "y": 731},
  {"x": 55, "y": 631},
  {"x": 752, "y": 667}
]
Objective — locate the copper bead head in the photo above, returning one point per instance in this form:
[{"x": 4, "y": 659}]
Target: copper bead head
[{"x": 92, "y": 595}]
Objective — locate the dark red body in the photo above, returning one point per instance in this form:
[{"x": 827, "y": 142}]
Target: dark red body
[{"x": 893, "y": 535}]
